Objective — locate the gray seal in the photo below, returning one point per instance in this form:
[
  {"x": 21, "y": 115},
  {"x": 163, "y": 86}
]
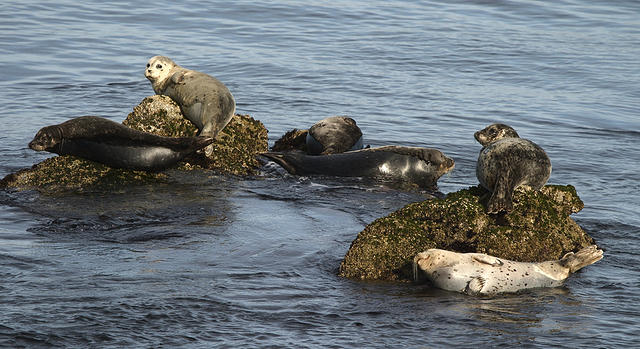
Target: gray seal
[
  {"x": 481, "y": 274},
  {"x": 203, "y": 100},
  {"x": 506, "y": 162},
  {"x": 115, "y": 145},
  {"x": 420, "y": 166},
  {"x": 332, "y": 135}
]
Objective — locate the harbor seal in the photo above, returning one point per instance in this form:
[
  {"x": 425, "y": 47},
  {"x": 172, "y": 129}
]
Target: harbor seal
[
  {"x": 203, "y": 99},
  {"x": 481, "y": 274},
  {"x": 115, "y": 145},
  {"x": 332, "y": 135},
  {"x": 420, "y": 166},
  {"x": 506, "y": 162}
]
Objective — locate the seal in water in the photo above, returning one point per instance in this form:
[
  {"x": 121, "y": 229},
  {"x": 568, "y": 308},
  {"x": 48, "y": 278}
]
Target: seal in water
[
  {"x": 335, "y": 134},
  {"x": 478, "y": 273},
  {"x": 421, "y": 166},
  {"x": 113, "y": 144},
  {"x": 203, "y": 100},
  {"x": 506, "y": 162}
]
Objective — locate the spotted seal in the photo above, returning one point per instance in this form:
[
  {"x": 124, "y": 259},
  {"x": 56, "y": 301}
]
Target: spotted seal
[
  {"x": 480, "y": 274},
  {"x": 113, "y": 144},
  {"x": 420, "y": 166},
  {"x": 506, "y": 162},
  {"x": 332, "y": 135},
  {"x": 203, "y": 99}
]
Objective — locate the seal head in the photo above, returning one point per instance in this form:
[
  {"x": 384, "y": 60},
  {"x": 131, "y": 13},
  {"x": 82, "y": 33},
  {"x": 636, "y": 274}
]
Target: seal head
[
  {"x": 494, "y": 133},
  {"x": 47, "y": 139},
  {"x": 159, "y": 70},
  {"x": 332, "y": 135}
]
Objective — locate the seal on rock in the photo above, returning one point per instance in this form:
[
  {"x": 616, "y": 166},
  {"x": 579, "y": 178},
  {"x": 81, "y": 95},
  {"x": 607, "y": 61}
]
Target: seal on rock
[
  {"x": 420, "y": 166},
  {"x": 203, "y": 99},
  {"x": 480, "y": 274},
  {"x": 332, "y": 135},
  {"x": 506, "y": 162},
  {"x": 115, "y": 145}
]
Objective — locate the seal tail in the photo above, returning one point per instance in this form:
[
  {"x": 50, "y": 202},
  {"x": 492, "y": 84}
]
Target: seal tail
[{"x": 582, "y": 258}]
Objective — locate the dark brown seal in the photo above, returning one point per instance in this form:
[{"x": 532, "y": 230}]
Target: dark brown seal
[
  {"x": 420, "y": 166},
  {"x": 113, "y": 144}
]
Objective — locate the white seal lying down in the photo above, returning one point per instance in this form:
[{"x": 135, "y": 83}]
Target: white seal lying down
[{"x": 477, "y": 273}]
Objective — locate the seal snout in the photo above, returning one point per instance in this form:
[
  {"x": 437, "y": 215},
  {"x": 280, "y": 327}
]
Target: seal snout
[{"x": 477, "y": 136}]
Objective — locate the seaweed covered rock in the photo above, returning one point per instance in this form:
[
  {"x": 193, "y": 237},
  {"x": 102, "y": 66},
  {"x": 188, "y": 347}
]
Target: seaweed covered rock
[
  {"x": 539, "y": 228},
  {"x": 70, "y": 173},
  {"x": 234, "y": 152},
  {"x": 292, "y": 140}
]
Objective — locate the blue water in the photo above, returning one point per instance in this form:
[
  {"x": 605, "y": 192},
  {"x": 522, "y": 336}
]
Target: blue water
[{"x": 206, "y": 260}]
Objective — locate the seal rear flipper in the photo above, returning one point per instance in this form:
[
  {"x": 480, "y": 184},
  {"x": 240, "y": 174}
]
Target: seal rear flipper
[
  {"x": 475, "y": 285},
  {"x": 582, "y": 258},
  {"x": 281, "y": 159},
  {"x": 201, "y": 142},
  {"x": 502, "y": 196}
]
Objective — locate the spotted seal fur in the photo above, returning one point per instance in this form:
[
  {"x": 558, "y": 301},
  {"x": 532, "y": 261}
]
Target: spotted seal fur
[
  {"x": 480, "y": 274},
  {"x": 506, "y": 162}
]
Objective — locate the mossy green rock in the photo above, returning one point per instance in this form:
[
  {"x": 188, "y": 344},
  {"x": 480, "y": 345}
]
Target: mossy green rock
[
  {"x": 234, "y": 153},
  {"x": 539, "y": 228}
]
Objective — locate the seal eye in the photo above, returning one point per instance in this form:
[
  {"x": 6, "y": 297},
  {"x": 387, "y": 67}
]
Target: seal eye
[
  {"x": 148, "y": 65},
  {"x": 159, "y": 66}
]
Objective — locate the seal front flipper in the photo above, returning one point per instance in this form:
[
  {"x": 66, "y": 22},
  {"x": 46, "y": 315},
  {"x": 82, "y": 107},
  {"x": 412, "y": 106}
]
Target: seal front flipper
[
  {"x": 486, "y": 259},
  {"x": 502, "y": 196},
  {"x": 475, "y": 286}
]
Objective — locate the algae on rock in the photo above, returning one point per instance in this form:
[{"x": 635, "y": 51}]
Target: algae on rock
[
  {"x": 235, "y": 152},
  {"x": 539, "y": 228}
]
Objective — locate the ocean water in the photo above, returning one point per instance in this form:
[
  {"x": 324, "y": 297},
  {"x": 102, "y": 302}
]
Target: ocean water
[{"x": 214, "y": 261}]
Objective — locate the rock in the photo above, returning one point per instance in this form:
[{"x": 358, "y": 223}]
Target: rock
[
  {"x": 539, "y": 228},
  {"x": 70, "y": 173},
  {"x": 292, "y": 140},
  {"x": 235, "y": 152}
]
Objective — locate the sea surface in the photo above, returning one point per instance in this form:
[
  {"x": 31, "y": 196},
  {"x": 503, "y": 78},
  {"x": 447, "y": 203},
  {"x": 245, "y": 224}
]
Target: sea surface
[{"x": 214, "y": 261}]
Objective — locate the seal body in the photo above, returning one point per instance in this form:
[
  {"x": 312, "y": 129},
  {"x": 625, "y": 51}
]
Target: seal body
[
  {"x": 203, "y": 100},
  {"x": 506, "y": 162},
  {"x": 332, "y": 135},
  {"x": 477, "y": 273},
  {"x": 420, "y": 166},
  {"x": 115, "y": 145}
]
